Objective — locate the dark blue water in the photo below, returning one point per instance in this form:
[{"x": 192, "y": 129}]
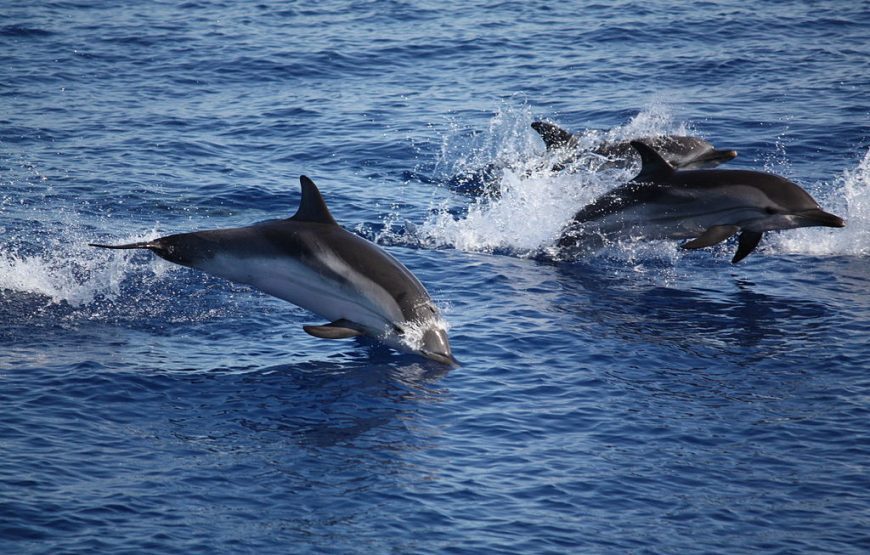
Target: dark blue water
[{"x": 639, "y": 400}]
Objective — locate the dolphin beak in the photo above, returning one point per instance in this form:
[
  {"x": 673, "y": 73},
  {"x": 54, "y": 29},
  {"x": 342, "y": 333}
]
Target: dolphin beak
[
  {"x": 716, "y": 157},
  {"x": 726, "y": 155},
  {"x": 818, "y": 217},
  {"x": 445, "y": 359},
  {"x": 437, "y": 347}
]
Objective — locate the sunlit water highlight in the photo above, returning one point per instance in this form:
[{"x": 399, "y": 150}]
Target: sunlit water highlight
[{"x": 641, "y": 399}]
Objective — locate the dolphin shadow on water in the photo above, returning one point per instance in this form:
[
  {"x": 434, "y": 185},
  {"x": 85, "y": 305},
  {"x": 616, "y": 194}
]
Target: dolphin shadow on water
[
  {"x": 727, "y": 313},
  {"x": 705, "y": 206},
  {"x": 354, "y": 401},
  {"x": 310, "y": 261}
]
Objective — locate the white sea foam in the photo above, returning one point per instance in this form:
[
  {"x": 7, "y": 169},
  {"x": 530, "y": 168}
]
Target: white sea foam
[
  {"x": 415, "y": 330},
  {"x": 532, "y": 204},
  {"x": 848, "y": 196},
  {"x": 67, "y": 270}
]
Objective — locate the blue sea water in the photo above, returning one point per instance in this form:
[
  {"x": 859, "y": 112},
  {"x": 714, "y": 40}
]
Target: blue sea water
[{"x": 641, "y": 399}]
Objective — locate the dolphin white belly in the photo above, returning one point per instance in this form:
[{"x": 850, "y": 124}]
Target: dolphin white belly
[
  {"x": 707, "y": 206},
  {"x": 364, "y": 303},
  {"x": 310, "y": 261},
  {"x": 656, "y": 222}
]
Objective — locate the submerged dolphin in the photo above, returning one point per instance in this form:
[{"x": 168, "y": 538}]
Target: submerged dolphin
[
  {"x": 311, "y": 262},
  {"x": 681, "y": 152},
  {"x": 707, "y": 206}
]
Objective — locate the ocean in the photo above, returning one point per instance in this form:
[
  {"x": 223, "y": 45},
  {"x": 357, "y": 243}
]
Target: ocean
[{"x": 636, "y": 399}]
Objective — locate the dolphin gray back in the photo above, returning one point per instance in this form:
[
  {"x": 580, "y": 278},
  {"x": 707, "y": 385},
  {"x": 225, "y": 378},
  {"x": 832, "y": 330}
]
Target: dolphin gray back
[
  {"x": 679, "y": 203},
  {"x": 681, "y": 151},
  {"x": 323, "y": 246}
]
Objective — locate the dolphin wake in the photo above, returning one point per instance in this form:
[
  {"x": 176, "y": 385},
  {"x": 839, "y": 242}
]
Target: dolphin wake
[
  {"x": 521, "y": 206},
  {"x": 64, "y": 272},
  {"x": 849, "y": 194}
]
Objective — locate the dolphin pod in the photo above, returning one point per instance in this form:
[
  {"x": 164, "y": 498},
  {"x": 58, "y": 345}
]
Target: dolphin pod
[
  {"x": 706, "y": 206},
  {"x": 310, "y": 261},
  {"x": 681, "y": 152}
]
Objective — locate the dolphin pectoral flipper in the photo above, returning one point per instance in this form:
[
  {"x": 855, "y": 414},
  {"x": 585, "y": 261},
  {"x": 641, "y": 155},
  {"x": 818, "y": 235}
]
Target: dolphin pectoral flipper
[
  {"x": 311, "y": 261},
  {"x": 746, "y": 244},
  {"x": 711, "y": 236},
  {"x": 340, "y": 329}
]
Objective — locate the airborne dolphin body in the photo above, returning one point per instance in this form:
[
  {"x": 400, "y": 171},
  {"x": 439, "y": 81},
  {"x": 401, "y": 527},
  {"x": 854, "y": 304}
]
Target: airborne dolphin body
[
  {"x": 706, "y": 206},
  {"x": 681, "y": 152},
  {"x": 310, "y": 261}
]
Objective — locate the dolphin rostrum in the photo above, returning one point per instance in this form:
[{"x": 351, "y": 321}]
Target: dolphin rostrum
[
  {"x": 681, "y": 152},
  {"x": 310, "y": 261},
  {"x": 706, "y": 206}
]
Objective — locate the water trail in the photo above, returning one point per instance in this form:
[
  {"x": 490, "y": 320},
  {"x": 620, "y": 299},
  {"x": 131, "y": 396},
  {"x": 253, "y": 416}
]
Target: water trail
[
  {"x": 847, "y": 196},
  {"x": 65, "y": 270},
  {"x": 63, "y": 280},
  {"x": 527, "y": 204},
  {"x": 43, "y": 243},
  {"x": 523, "y": 205}
]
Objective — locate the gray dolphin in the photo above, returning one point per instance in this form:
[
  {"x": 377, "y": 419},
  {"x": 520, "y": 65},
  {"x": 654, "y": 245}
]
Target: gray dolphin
[
  {"x": 707, "y": 206},
  {"x": 682, "y": 152},
  {"x": 310, "y": 261}
]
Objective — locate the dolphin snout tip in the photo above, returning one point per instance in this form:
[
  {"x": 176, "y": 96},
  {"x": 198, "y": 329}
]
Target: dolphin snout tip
[
  {"x": 721, "y": 156},
  {"x": 827, "y": 219},
  {"x": 436, "y": 346},
  {"x": 446, "y": 359}
]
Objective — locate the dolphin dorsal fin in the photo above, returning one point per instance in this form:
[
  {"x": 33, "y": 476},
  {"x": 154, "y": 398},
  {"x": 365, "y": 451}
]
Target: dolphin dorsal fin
[
  {"x": 652, "y": 166},
  {"x": 312, "y": 207},
  {"x": 554, "y": 136}
]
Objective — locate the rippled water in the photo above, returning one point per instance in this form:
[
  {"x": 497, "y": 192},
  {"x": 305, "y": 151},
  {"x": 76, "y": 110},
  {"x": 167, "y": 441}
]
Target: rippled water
[{"x": 641, "y": 399}]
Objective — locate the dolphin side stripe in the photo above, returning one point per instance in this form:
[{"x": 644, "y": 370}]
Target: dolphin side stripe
[
  {"x": 310, "y": 261},
  {"x": 707, "y": 206},
  {"x": 330, "y": 298}
]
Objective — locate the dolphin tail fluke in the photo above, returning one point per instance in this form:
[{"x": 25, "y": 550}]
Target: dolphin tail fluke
[
  {"x": 340, "y": 329},
  {"x": 746, "y": 244},
  {"x": 711, "y": 236},
  {"x": 140, "y": 245}
]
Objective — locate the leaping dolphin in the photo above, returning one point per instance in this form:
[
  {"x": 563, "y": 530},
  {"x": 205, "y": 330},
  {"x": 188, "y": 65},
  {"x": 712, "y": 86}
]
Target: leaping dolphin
[
  {"x": 310, "y": 261},
  {"x": 681, "y": 152},
  {"x": 706, "y": 206}
]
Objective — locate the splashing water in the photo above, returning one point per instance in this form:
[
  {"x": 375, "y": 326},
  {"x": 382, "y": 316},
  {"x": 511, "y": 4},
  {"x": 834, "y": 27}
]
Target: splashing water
[
  {"x": 849, "y": 197},
  {"x": 414, "y": 331},
  {"x": 524, "y": 217},
  {"x": 532, "y": 204},
  {"x": 69, "y": 271}
]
